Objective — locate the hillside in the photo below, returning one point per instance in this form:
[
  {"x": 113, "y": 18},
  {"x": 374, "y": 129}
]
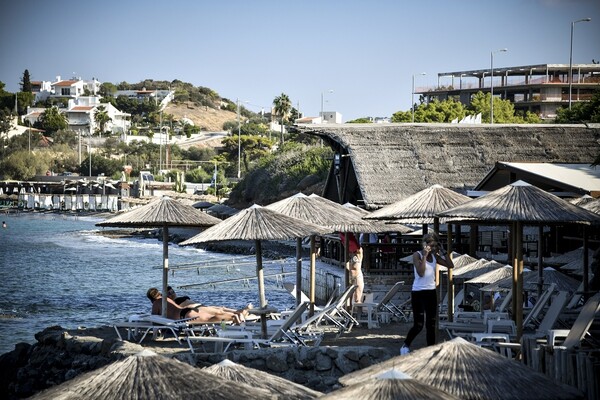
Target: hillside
[{"x": 206, "y": 118}]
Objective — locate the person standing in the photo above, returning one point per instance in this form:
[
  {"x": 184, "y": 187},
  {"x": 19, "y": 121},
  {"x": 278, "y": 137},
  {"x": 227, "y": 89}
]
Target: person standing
[
  {"x": 424, "y": 293},
  {"x": 355, "y": 252}
]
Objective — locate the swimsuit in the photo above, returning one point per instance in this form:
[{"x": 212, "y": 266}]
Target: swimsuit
[{"x": 183, "y": 312}]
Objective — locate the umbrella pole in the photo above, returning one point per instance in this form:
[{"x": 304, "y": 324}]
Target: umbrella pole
[
  {"x": 260, "y": 274},
  {"x": 165, "y": 270},
  {"x": 513, "y": 237},
  {"x": 313, "y": 262},
  {"x": 586, "y": 280},
  {"x": 519, "y": 298},
  {"x": 298, "y": 271},
  {"x": 540, "y": 288},
  {"x": 450, "y": 277}
]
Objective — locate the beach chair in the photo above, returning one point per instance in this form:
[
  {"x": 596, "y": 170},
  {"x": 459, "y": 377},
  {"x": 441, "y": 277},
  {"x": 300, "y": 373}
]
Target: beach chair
[
  {"x": 532, "y": 318},
  {"x": 140, "y": 325},
  {"x": 288, "y": 334},
  {"x": 579, "y": 330},
  {"x": 458, "y": 299},
  {"x": 335, "y": 314},
  {"x": 370, "y": 310}
]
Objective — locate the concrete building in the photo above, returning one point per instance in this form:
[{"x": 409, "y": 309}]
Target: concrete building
[{"x": 540, "y": 89}]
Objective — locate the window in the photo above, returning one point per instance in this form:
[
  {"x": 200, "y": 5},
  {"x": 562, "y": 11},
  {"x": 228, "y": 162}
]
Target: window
[{"x": 65, "y": 91}]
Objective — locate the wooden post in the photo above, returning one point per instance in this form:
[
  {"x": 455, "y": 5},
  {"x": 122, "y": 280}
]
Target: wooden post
[
  {"x": 313, "y": 262},
  {"x": 513, "y": 254},
  {"x": 260, "y": 274},
  {"x": 450, "y": 279},
  {"x": 540, "y": 288},
  {"x": 519, "y": 294},
  {"x": 298, "y": 271},
  {"x": 165, "y": 270},
  {"x": 586, "y": 280},
  {"x": 473, "y": 233}
]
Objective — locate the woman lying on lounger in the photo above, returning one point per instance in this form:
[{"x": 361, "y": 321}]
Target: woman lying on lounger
[{"x": 200, "y": 314}]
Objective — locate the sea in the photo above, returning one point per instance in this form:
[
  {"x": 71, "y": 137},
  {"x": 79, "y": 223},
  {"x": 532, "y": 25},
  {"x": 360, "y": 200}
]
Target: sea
[{"x": 59, "y": 269}]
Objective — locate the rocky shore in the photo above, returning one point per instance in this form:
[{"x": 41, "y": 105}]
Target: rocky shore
[{"x": 60, "y": 355}]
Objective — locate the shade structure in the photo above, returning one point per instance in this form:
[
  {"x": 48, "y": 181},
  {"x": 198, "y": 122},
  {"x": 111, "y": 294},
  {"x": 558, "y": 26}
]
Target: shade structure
[
  {"x": 470, "y": 372},
  {"x": 391, "y": 384},
  {"x": 575, "y": 267},
  {"x": 478, "y": 268},
  {"x": 593, "y": 206},
  {"x": 422, "y": 207},
  {"x": 530, "y": 282},
  {"x": 566, "y": 258},
  {"x": 516, "y": 205},
  {"x": 222, "y": 210},
  {"x": 203, "y": 204},
  {"x": 492, "y": 276},
  {"x": 162, "y": 213},
  {"x": 276, "y": 385},
  {"x": 151, "y": 376},
  {"x": 462, "y": 260},
  {"x": 580, "y": 201},
  {"x": 258, "y": 223}
]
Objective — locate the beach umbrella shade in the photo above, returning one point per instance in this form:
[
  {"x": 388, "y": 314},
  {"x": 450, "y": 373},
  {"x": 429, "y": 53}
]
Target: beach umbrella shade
[
  {"x": 280, "y": 387},
  {"x": 150, "y": 376},
  {"x": 258, "y": 223},
  {"x": 492, "y": 276},
  {"x": 203, "y": 204},
  {"x": 580, "y": 201},
  {"x": 566, "y": 258},
  {"x": 517, "y": 204},
  {"x": 477, "y": 268},
  {"x": 530, "y": 282},
  {"x": 593, "y": 206},
  {"x": 162, "y": 213},
  {"x": 468, "y": 371},
  {"x": 391, "y": 384},
  {"x": 222, "y": 210}
]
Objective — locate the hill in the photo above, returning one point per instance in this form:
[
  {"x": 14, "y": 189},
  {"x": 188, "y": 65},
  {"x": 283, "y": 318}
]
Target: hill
[{"x": 206, "y": 118}]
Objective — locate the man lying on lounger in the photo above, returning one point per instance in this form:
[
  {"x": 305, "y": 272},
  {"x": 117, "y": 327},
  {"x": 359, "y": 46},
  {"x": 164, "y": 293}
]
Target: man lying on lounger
[{"x": 200, "y": 314}]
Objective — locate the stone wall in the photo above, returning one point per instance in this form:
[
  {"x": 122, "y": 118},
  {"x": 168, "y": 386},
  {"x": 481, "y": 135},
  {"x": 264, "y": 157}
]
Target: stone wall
[{"x": 57, "y": 356}]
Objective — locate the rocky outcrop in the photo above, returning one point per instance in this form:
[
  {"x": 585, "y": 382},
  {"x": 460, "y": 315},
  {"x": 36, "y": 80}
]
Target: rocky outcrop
[{"x": 59, "y": 356}]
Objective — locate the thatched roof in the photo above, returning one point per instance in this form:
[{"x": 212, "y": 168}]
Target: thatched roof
[
  {"x": 389, "y": 162},
  {"x": 476, "y": 269},
  {"x": 470, "y": 372},
  {"x": 222, "y": 209},
  {"x": 392, "y": 385},
  {"x": 462, "y": 260},
  {"x": 323, "y": 212},
  {"x": 421, "y": 207},
  {"x": 161, "y": 212},
  {"x": 530, "y": 281},
  {"x": 257, "y": 223},
  {"x": 593, "y": 206},
  {"x": 522, "y": 202},
  {"x": 567, "y": 257},
  {"x": 151, "y": 376},
  {"x": 281, "y": 387},
  {"x": 493, "y": 276}
]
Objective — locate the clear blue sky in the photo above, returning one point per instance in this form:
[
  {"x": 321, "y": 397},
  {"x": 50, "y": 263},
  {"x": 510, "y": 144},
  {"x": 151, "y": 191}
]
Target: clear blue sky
[{"x": 366, "y": 51}]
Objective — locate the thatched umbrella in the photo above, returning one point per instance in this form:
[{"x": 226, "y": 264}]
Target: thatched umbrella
[
  {"x": 517, "y": 204},
  {"x": 423, "y": 208},
  {"x": 222, "y": 210},
  {"x": 477, "y": 268},
  {"x": 162, "y": 213},
  {"x": 530, "y": 282},
  {"x": 568, "y": 257},
  {"x": 274, "y": 384},
  {"x": 593, "y": 206},
  {"x": 580, "y": 201},
  {"x": 462, "y": 260},
  {"x": 492, "y": 276},
  {"x": 470, "y": 372},
  {"x": 258, "y": 223},
  {"x": 391, "y": 384},
  {"x": 151, "y": 376}
]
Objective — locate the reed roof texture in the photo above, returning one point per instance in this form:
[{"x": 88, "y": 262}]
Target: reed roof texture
[
  {"x": 161, "y": 212},
  {"x": 531, "y": 278},
  {"x": 394, "y": 161},
  {"x": 469, "y": 372},
  {"x": 390, "y": 385},
  {"x": 276, "y": 385},
  {"x": 493, "y": 276},
  {"x": 469, "y": 272},
  {"x": 151, "y": 376},
  {"x": 522, "y": 202}
]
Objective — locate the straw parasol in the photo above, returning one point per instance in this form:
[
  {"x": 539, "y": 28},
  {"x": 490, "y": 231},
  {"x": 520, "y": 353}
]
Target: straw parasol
[
  {"x": 530, "y": 282},
  {"x": 492, "y": 276},
  {"x": 257, "y": 223},
  {"x": 469, "y": 372},
  {"x": 162, "y": 213},
  {"x": 593, "y": 206},
  {"x": 517, "y": 204},
  {"x": 150, "y": 376},
  {"x": 274, "y": 384},
  {"x": 477, "y": 268},
  {"x": 391, "y": 384},
  {"x": 568, "y": 257}
]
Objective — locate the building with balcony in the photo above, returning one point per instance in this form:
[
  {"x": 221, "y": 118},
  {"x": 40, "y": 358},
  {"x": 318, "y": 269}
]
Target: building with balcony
[{"x": 540, "y": 89}]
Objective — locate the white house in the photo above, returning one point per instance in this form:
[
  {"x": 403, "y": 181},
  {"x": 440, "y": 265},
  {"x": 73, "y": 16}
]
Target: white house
[{"x": 72, "y": 88}]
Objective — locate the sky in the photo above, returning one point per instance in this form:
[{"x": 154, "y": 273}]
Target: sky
[{"x": 359, "y": 57}]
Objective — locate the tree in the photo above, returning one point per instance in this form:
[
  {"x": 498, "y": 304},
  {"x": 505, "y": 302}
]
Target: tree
[
  {"x": 282, "y": 106},
  {"x": 581, "y": 112},
  {"x": 363, "y": 120},
  {"x": 52, "y": 120},
  {"x": 26, "y": 82},
  {"x": 107, "y": 89},
  {"x": 252, "y": 148},
  {"x": 504, "y": 110},
  {"x": 101, "y": 117}
]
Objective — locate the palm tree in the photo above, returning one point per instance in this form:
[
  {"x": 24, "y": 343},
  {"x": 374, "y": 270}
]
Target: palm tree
[
  {"x": 282, "y": 106},
  {"x": 101, "y": 117}
]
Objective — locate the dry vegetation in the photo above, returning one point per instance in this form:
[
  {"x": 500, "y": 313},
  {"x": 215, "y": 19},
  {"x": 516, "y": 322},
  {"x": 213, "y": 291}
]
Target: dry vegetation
[{"x": 206, "y": 118}]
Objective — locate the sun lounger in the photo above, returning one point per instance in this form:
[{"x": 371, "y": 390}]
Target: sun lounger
[
  {"x": 335, "y": 314},
  {"x": 368, "y": 312},
  {"x": 142, "y": 324}
]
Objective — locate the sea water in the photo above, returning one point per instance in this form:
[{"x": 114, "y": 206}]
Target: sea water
[{"x": 56, "y": 269}]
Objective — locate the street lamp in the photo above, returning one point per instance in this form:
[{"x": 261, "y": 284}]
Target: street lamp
[
  {"x": 322, "y": 101},
  {"x": 412, "y": 98},
  {"x": 29, "y": 124},
  {"x": 239, "y": 141},
  {"x": 571, "y": 57},
  {"x": 492, "y": 82}
]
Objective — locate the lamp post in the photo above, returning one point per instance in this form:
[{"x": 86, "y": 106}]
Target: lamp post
[
  {"x": 322, "y": 102},
  {"x": 412, "y": 96},
  {"x": 29, "y": 124},
  {"x": 239, "y": 141},
  {"x": 571, "y": 57},
  {"x": 492, "y": 83}
]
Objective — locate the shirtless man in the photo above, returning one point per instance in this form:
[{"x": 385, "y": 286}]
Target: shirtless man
[
  {"x": 200, "y": 314},
  {"x": 356, "y": 274}
]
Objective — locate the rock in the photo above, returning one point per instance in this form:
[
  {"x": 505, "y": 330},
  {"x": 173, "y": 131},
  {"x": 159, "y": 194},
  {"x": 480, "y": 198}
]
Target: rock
[
  {"x": 323, "y": 362},
  {"x": 277, "y": 362}
]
